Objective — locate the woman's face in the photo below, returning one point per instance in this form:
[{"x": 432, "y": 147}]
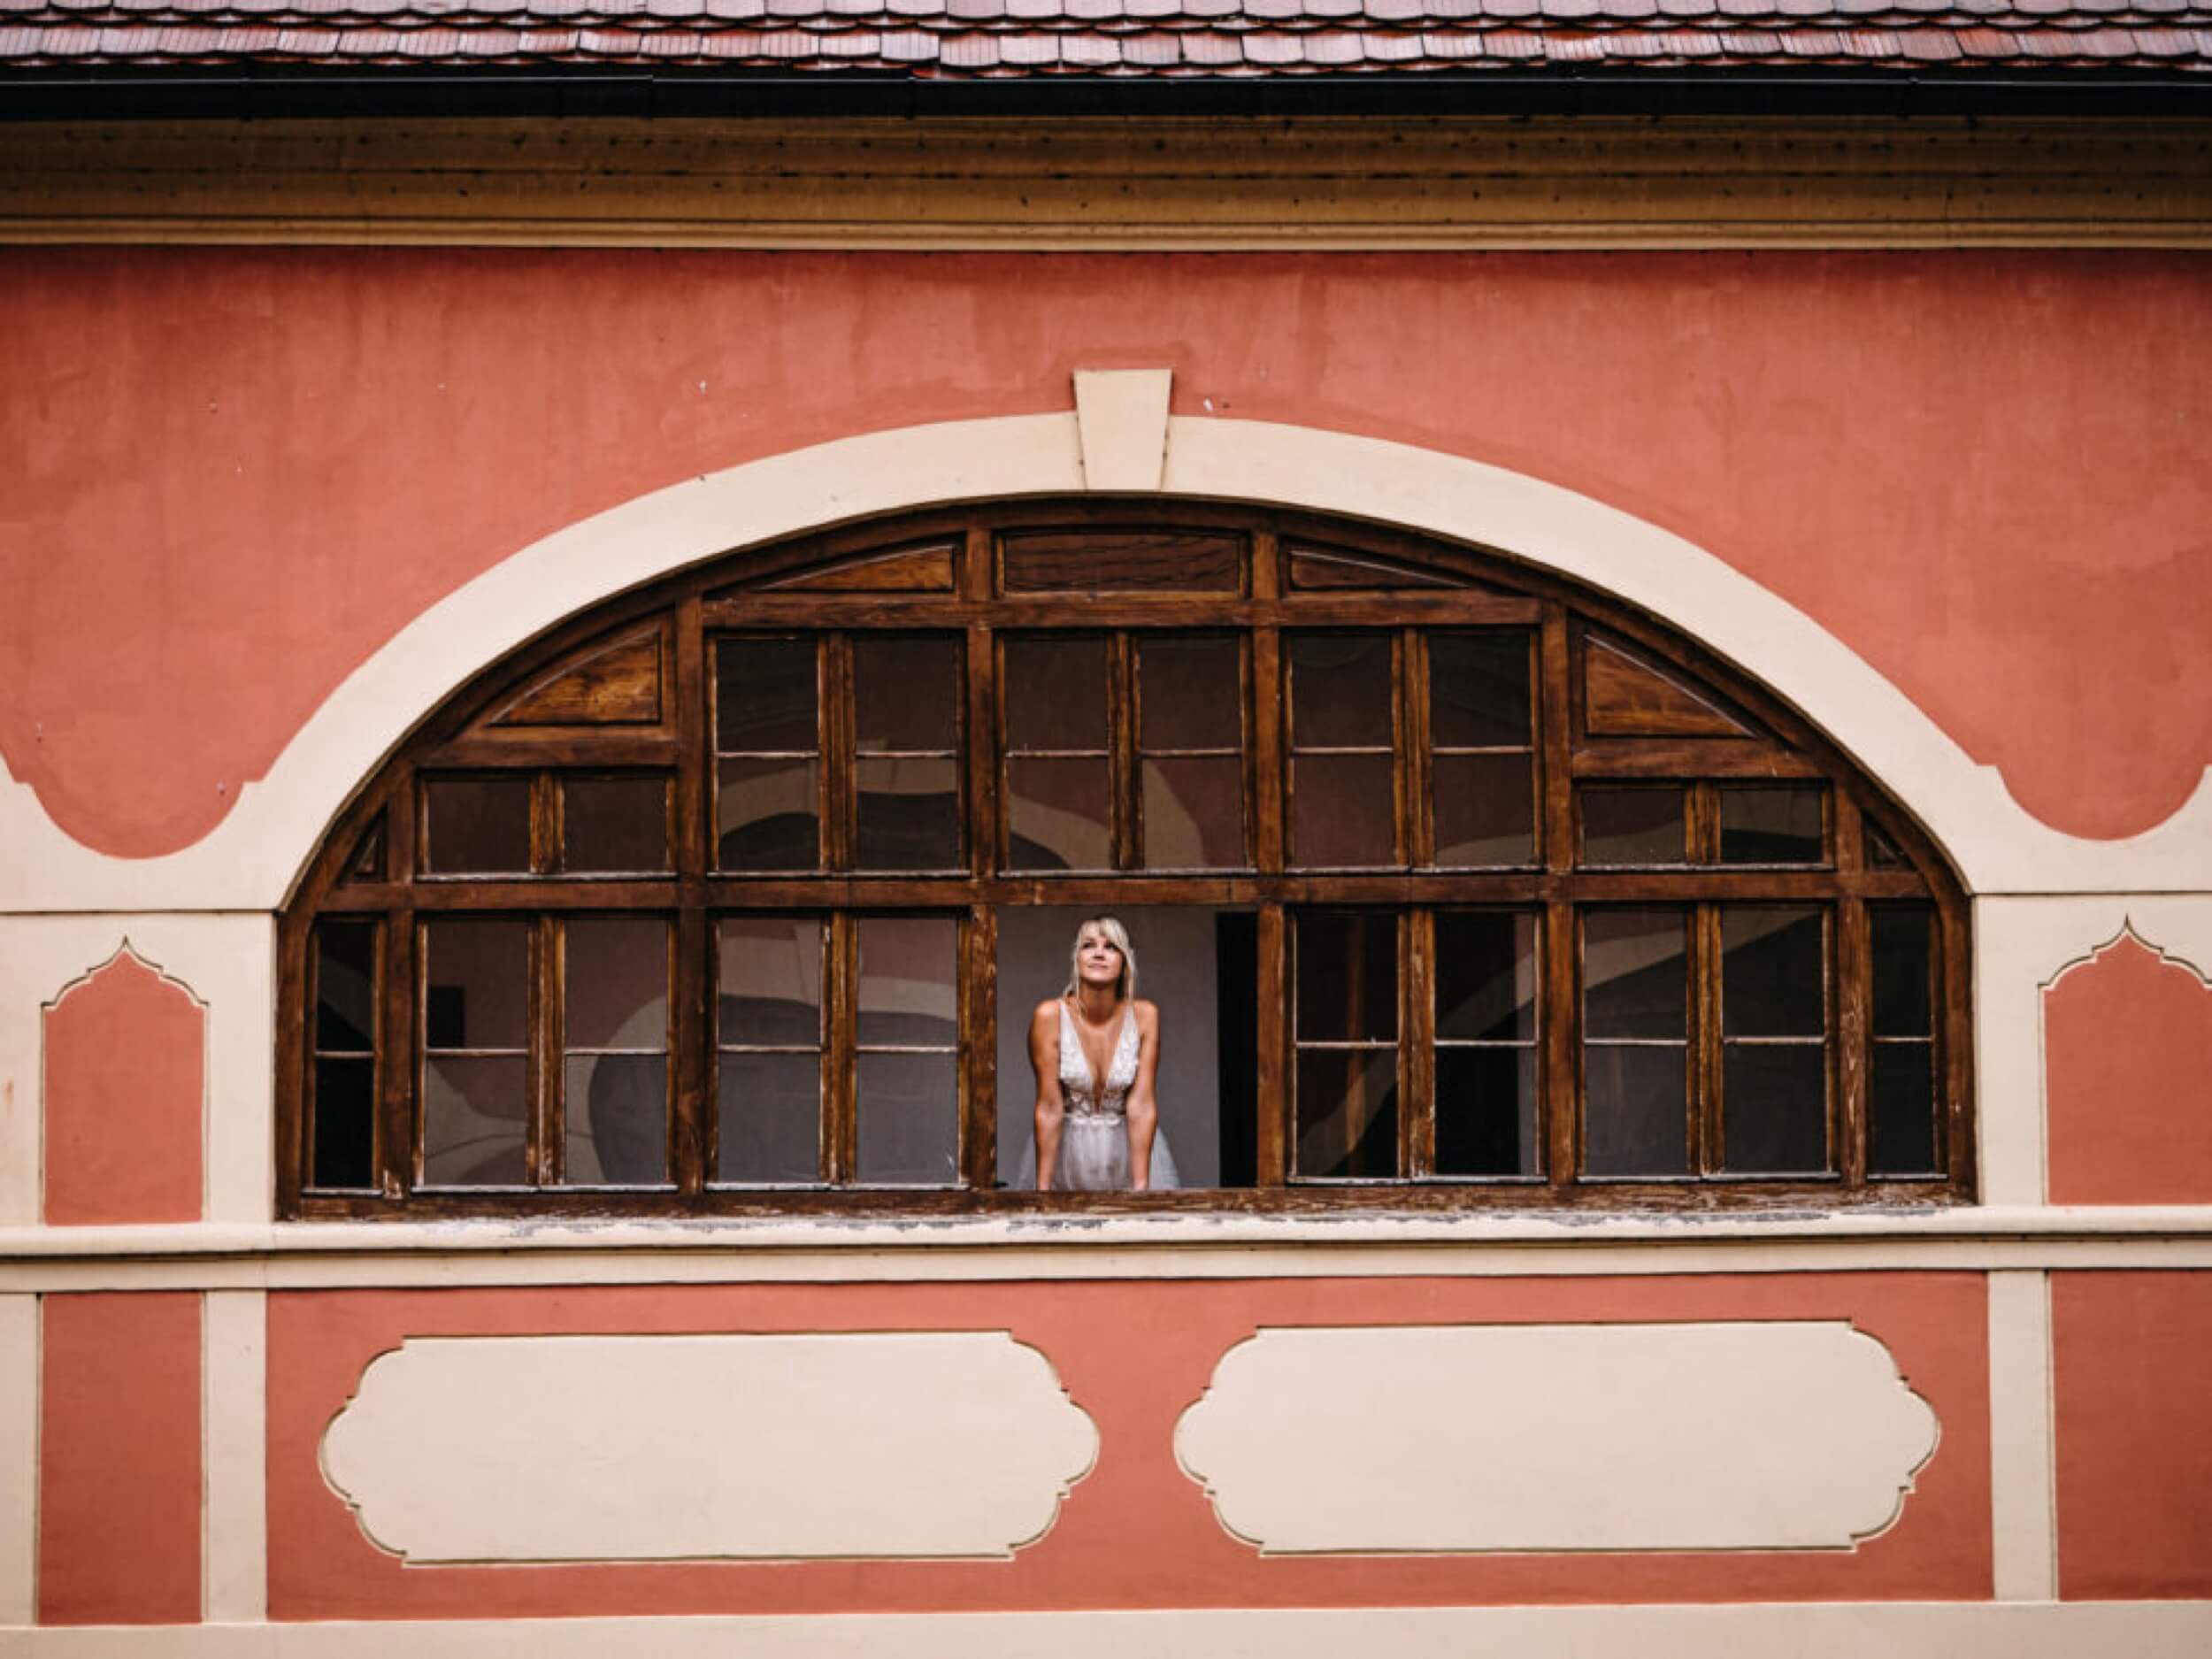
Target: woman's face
[{"x": 1097, "y": 959}]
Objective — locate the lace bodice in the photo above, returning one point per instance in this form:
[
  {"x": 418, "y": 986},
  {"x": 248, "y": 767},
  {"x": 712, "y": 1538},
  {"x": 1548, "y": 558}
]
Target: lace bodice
[{"x": 1076, "y": 1086}]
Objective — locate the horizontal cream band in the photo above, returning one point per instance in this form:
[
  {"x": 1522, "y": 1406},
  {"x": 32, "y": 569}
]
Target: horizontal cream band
[
  {"x": 2142, "y": 1630},
  {"x": 546, "y": 1251}
]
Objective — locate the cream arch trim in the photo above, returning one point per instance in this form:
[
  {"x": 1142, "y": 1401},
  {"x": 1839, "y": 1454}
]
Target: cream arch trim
[{"x": 249, "y": 860}]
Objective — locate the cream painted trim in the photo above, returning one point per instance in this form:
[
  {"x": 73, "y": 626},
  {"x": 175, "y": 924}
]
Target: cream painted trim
[
  {"x": 19, "y": 1348},
  {"x": 234, "y": 1536},
  {"x": 1121, "y": 415},
  {"x": 226, "y": 963},
  {"x": 2141, "y": 1630},
  {"x": 251, "y": 859},
  {"x": 1103, "y": 184},
  {"x": 2023, "y": 1485}
]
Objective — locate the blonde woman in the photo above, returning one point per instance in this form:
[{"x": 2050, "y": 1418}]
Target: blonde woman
[{"x": 1095, "y": 1050}]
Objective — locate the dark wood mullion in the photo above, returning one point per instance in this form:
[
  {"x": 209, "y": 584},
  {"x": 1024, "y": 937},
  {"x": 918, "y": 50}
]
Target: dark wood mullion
[
  {"x": 1082, "y": 610},
  {"x": 1271, "y": 1064},
  {"x": 1126, "y": 835},
  {"x": 1707, "y": 1144},
  {"x": 1953, "y": 1009},
  {"x": 545, "y": 824},
  {"x": 1265, "y": 765},
  {"x": 1417, "y": 762},
  {"x": 1402, "y": 806},
  {"x": 692, "y": 1059},
  {"x": 837, "y": 758},
  {"x": 840, "y": 1022},
  {"x": 985, "y": 772},
  {"x": 979, "y": 1048},
  {"x": 1850, "y": 1011},
  {"x": 543, "y": 1068},
  {"x": 1559, "y": 1032},
  {"x": 295, "y": 990},
  {"x": 1417, "y": 1042},
  {"x": 1701, "y": 811},
  {"x": 398, "y": 1128}
]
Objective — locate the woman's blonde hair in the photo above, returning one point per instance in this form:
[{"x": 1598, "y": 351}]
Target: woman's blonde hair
[{"x": 1125, "y": 987}]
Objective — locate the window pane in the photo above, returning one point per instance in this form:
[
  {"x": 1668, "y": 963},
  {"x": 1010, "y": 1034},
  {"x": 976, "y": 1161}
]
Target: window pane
[
  {"x": 614, "y": 825},
  {"x": 1772, "y": 827},
  {"x": 617, "y": 1119},
  {"x": 1635, "y": 974},
  {"x": 764, "y": 696},
  {"x": 1339, "y": 685},
  {"x": 476, "y": 826},
  {"x": 1190, "y": 694},
  {"x": 1902, "y": 938},
  {"x": 908, "y": 996},
  {"x": 1773, "y": 982},
  {"x": 1348, "y": 1113},
  {"x": 769, "y": 970},
  {"x": 1343, "y": 809},
  {"x": 1486, "y": 1112},
  {"x": 768, "y": 812},
  {"x": 1486, "y": 976},
  {"x": 617, "y": 984},
  {"x": 1193, "y": 814},
  {"x": 906, "y": 693},
  {"x": 1774, "y": 1102},
  {"x": 910, "y": 1118},
  {"x": 345, "y": 1122},
  {"x": 1901, "y": 1107},
  {"x": 770, "y": 1107},
  {"x": 1478, "y": 690},
  {"x": 909, "y": 814},
  {"x": 1637, "y": 1119},
  {"x": 1881, "y": 852},
  {"x": 477, "y": 977},
  {"x": 345, "y": 987},
  {"x": 1485, "y": 811},
  {"x": 475, "y": 1122},
  {"x": 1347, "y": 977},
  {"x": 1055, "y": 693},
  {"x": 1632, "y": 826},
  {"x": 1057, "y": 815}
]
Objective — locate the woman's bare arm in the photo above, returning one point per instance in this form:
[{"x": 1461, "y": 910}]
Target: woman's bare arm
[
  {"x": 1143, "y": 1107},
  {"x": 1044, "y": 1060}
]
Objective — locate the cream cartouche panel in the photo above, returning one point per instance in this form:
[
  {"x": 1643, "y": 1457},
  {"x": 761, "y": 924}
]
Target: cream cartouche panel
[
  {"x": 1759, "y": 1435},
  {"x": 896, "y": 1444}
]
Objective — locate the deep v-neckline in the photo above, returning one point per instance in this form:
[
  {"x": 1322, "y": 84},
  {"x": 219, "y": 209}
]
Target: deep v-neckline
[{"x": 1113, "y": 1050}]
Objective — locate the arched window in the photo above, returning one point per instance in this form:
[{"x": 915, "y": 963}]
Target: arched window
[{"x": 1458, "y": 886}]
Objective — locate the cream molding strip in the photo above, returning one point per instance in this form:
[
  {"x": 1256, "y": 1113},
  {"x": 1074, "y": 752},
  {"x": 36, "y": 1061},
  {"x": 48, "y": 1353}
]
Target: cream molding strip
[{"x": 1162, "y": 184}]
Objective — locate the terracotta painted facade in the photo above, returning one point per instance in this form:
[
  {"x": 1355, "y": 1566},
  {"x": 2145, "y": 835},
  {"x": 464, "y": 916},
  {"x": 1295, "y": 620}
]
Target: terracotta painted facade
[{"x": 233, "y": 478}]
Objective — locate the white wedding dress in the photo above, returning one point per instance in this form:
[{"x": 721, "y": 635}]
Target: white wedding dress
[{"x": 1095, "y": 1133}]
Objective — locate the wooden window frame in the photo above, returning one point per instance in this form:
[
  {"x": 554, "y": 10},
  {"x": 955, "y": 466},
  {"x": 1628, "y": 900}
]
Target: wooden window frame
[{"x": 830, "y": 587}]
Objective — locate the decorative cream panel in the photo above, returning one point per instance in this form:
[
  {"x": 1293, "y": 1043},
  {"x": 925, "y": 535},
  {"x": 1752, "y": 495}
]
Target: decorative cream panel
[
  {"x": 930, "y": 1444},
  {"x": 1797, "y": 1435}
]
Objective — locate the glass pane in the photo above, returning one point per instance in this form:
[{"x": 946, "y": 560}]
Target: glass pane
[
  {"x": 906, "y": 693},
  {"x": 1774, "y": 1106},
  {"x": 1193, "y": 814},
  {"x": 770, "y": 1107},
  {"x": 614, "y": 825},
  {"x": 617, "y": 984},
  {"x": 769, "y": 970},
  {"x": 1478, "y": 690},
  {"x": 909, "y": 814},
  {"x": 1348, "y": 1113},
  {"x": 1486, "y": 976},
  {"x": 616, "y": 1122},
  {"x": 345, "y": 987},
  {"x": 909, "y": 1107},
  {"x": 764, "y": 696},
  {"x": 1881, "y": 852},
  {"x": 1901, "y": 1109},
  {"x": 1485, "y": 811},
  {"x": 477, "y": 979},
  {"x": 1902, "y": 938},
  {"x": 1348, "y": 976},
  {"x": 1057, "y": 815},
  {"x": 475, "y": 1122},
  {"x": 1772, "y": 827},
  {"x": 478, "y": 826},
  {"x": 1486, "y": 1112},
  {"x": 1636, "y": 1122},
  {"x": 1343, "y": 808},
  {"x": 908, "y": 996},
  {"x": 767, "y": 811},
  {"x": 1635, "y": 974},
  {"x": 1055, "y": 693},
  {"x": 345, "y": 1123},
  {"x": 1189, "y": 692},
  {"x": 1632, "y": 826},
  {"x": 1772, "y": 979},
  {"x": 1340, "y": 688}
]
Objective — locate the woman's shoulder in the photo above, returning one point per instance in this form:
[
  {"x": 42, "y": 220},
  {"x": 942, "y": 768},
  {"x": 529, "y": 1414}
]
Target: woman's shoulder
[
  {"x": 1047, "y": 1010},
  {"x": 1148, "y": 1014}
]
